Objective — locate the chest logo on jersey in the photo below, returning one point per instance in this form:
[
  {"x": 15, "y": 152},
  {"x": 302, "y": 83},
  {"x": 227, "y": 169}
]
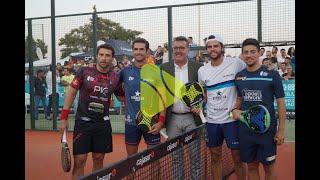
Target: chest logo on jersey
[
  {"x": 102, "y": 90},
  {"x": 219, "y": 96},
  {"x": 262, "y": 73},
  {"x": 131, "y": 78},
  {"x": 228, "y": 75},
  {"x": 136, "y": 97},
  {"x": 252, "y": 95},
  {"x": 89, "y": 78}
]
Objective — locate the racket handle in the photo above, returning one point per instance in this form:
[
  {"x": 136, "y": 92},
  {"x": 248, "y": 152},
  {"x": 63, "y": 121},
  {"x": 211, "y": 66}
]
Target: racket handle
[
  {"x": 163, "y": 134},
  {"x": 203, "y": 119},
  {"x": 64, "y": 136}
]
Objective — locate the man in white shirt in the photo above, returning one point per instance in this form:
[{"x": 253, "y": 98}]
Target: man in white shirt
[{"x": 218, "y": 79}]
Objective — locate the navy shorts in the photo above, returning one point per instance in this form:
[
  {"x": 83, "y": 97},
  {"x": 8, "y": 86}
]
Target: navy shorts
[
  {"x": 257, "y": 147},
  {"x": 90, "y": 136},
  {"x": 133, "y": 136},
  {"x": 218, "y": 132}
]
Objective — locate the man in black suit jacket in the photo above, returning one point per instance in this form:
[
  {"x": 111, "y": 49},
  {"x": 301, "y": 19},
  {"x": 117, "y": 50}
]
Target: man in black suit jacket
[{"x": 180, "y": 118}]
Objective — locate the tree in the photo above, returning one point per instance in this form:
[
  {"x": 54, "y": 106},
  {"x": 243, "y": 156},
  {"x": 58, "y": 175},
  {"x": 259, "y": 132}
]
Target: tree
[
  {"x": 80, "y": 39},
  {"x": 36, "y": 43}
]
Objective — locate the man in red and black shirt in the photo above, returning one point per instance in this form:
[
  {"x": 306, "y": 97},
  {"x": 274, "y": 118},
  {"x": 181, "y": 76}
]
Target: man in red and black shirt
[{"x": 92, "y": 130}]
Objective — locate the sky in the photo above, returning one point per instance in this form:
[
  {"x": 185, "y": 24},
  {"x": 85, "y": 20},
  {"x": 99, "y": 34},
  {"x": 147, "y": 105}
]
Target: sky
[
  {"x": 83, "y": 6},
  {"x": 234, "y": 21}
]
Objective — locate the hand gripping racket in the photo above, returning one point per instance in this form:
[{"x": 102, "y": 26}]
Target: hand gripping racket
[
  {"x": 257, "y": 118},
  {"x": 193, "y": 95},
  {"x": 65, "y": 153},
  {"x": 145, "y": 122}
]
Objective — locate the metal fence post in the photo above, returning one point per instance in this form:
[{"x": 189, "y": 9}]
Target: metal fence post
[
  {"x": 259, "y": 21},
  {"x": 170, "y": 33},
  {"x": 94, "y": 31},
  {"x": 53, "y": 62},
  {"x": 31, "y": 77}
]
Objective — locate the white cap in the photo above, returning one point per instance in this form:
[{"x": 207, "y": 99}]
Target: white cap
[{"x": 214, "y": 37}]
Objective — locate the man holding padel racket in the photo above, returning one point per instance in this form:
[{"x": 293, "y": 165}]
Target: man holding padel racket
[
  {"x": 256, "y": 85},
  {"x": 180, "y": 117},
  {"x": 130, "y": 77},
  {"x": 92, "y": 129},
  {"x": 218, "y": 79}
]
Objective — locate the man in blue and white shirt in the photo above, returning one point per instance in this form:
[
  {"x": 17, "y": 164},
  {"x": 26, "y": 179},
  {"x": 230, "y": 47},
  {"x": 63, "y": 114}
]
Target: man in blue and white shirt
[{"x": 218, "y": 79}]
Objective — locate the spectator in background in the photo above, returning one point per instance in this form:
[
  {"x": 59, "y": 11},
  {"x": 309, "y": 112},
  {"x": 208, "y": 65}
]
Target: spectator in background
[
  {"x": 289, "y": 63},
  {"x": 158, "y": 56},
  {"x": 40, "y": 86},
  {"x": 268, "y": 54},
  {"x": 282, "y": 57},
  {"x": 50, "y": 92},
  {"x": 165, "y": 55},
  {"x": 291, "y": 52},
  {"x": 261, "y": 54},
  {"x": 59, "y": 69},
  {"x": 67, "y": 79},
  {"x": 289, "y": 74},
  {"x": 117, "y": 69},
  {"x": 26, "y": 77},
  {"x": 274, "y": 62},
  {"x": 267, "y": 62},
  {"x": 192, "y": 53},
  {"x": 282, "y": 69},
  {"x": 274, "y": 52},
  {"x": 125, "y": 61}
]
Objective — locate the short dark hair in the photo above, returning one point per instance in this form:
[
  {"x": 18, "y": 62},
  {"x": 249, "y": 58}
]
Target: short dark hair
[
  {"x": 250, "y": 41},
  {"x": 40, "y": 71},
  {"x": 263, "y": 48},
  {"x": 282, "y": 49},
  {"x": 265, "y": 59},
  {"x": 190, "y": 37},
  {"x": 181, "y": 38},
  {"x": 106, "y": 46},
  {"x": 141, "y": 40}
]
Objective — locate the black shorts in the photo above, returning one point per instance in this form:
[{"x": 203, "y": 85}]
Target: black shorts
[{"x": 90, "y": 136}]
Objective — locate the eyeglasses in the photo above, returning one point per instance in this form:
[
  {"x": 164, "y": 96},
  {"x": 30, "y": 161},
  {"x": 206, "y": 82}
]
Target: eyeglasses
[{"x": 179, "y": 48}]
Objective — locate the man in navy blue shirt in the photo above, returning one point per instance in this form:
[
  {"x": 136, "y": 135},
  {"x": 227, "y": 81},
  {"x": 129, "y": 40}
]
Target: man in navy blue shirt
[
  {"x": 130, "y": 77},
  {"x": 256, "y": 85}
]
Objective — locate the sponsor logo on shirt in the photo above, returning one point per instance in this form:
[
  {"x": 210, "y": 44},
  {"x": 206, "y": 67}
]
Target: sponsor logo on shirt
[
  {"x": 252, "y": 95},
  {"x": 226, "y": 75},
  {"x": 89, "y": 78},
  {"x": 130, "y": 78},
  {"x": 102, "y": 90},
  {"x": 262, "y": 73},
  {"x": 219, "y": 96},
  {"x": 136, "y": 97},
  {"x": 240, "y": 78}
]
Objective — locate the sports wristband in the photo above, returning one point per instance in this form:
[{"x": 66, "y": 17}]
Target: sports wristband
[
  {"x": 162, "y": 119},
  {"x": 65, "y": 114}
]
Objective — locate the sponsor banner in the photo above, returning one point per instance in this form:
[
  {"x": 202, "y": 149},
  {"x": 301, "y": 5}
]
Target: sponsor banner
[{"x": 289, "y": 91}]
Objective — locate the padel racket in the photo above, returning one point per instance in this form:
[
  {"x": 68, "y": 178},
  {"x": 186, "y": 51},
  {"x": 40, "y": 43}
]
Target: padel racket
[
  {"x": 65, "y": 153},
  {"x": 192, "y": 94},
  {"x": 257, "y": 118},
  {"x": 145, "y": 122}
]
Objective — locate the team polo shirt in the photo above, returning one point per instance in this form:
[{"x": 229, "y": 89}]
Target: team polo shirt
[
  {"x": 95, "y": 90},
  {"x": 220, "y": 88},
  {"x": 130, "y": 76},
  {"x": 259, "y": 88}
]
